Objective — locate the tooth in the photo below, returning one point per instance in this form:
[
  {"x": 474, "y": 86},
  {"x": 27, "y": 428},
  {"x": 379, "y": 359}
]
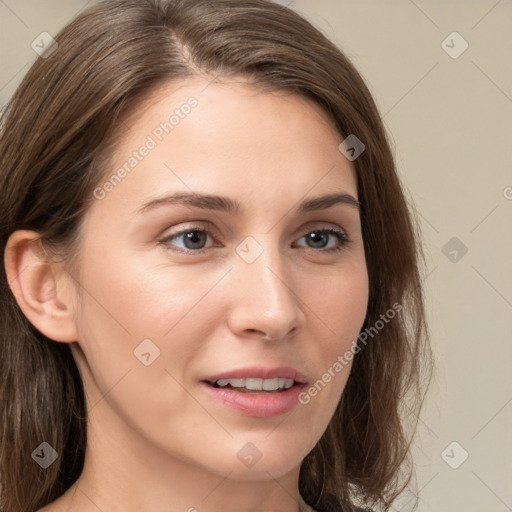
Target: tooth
[
  {"x": 237, "y": 383},
  {"x": 270, "y": 384},
  {"x": 256, "y": 384},
  {"x": 288, "y": 383}
]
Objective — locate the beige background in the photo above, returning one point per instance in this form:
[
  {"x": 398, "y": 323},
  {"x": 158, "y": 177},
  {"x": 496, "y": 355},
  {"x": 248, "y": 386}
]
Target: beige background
[{"x": 450, "y": 120}]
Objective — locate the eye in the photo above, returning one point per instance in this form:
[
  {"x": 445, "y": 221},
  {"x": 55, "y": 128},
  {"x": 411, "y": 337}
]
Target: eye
[
  {"x": 193, "y": 238},
  {"x": 319, "y": 239}
]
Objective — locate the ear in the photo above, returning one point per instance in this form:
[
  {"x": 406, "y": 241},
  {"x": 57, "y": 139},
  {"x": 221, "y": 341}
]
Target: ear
[{"x": 43, "y": 290}]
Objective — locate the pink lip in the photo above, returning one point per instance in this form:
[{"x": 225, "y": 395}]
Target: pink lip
[
  {"x": 258, "y": 404},
  {"x": 260, "y": 372}
]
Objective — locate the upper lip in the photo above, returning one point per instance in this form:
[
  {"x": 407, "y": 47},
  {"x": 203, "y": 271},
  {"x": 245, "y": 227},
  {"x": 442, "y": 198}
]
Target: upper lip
[{"x": 260, "y": 372}]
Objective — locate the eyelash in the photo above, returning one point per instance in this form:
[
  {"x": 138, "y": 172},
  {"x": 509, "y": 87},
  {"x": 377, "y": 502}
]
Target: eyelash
[{"x": 340, "y": 235}]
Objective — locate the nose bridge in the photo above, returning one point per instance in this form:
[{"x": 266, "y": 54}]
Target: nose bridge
[
  {"x": 268, "y": 274},
  {"x": 264, "y": 298}
]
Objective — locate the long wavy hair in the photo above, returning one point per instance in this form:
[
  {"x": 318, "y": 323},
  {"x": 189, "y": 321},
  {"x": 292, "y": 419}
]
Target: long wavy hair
[{"x": 56, "y": 134}]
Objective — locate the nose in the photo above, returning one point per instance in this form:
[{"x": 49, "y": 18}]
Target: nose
[{"x": 263, "y": 301}]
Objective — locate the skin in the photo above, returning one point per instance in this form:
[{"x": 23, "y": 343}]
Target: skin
[{"x": 156, "y": 440}]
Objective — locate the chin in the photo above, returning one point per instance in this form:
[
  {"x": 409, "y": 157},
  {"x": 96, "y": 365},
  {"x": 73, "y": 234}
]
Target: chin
[{"x": 258, "y": 460}]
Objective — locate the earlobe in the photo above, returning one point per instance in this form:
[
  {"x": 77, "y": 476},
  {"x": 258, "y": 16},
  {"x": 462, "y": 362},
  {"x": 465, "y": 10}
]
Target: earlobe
[{"x": 41, "y": 289}]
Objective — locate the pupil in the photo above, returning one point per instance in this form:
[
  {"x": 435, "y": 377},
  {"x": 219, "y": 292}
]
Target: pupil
[
  {"x": 314, "y": 235},
  {"x": 193, "y": 236}
]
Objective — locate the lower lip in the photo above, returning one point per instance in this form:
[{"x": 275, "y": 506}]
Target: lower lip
[{"x": 264, "y": 405}]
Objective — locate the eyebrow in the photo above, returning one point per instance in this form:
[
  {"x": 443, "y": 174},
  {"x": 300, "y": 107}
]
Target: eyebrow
[{"x": 233, "y": 207}]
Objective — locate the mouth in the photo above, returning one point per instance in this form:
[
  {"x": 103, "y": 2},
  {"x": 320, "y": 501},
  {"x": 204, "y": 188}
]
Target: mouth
[
  {"x": 254, "y": 385},
  {"x": 260, "y": 392}
]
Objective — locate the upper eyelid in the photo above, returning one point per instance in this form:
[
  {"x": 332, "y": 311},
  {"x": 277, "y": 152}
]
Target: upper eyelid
[
  {"x": 208, "y": 227},
  {"x": 322, "y": 226}
]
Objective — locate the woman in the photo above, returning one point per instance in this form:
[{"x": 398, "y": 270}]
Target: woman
[{"x": 178, "y": 333}]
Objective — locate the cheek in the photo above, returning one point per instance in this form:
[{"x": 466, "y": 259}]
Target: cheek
[
  {"x": 338, "y": 309},
  {"x": 146, "y": 299},
  {"x": 339, "y": 305},
  {"x": 134, "y": 313},
  {"x": 129, "y": 317}
]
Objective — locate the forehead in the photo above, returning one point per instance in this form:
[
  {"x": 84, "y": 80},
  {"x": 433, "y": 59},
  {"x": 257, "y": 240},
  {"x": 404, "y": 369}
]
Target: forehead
[{"x": 229, "y": 137}]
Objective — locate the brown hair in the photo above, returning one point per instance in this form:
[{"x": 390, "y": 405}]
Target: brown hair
[{"x": 56, "y": 134}]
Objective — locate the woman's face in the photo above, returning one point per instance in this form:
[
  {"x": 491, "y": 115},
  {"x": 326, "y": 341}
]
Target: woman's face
[{"x": 176, "y": 292}]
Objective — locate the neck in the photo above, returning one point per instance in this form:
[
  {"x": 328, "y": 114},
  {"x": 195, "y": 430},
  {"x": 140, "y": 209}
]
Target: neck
[{"x": 139, "y": 477}]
